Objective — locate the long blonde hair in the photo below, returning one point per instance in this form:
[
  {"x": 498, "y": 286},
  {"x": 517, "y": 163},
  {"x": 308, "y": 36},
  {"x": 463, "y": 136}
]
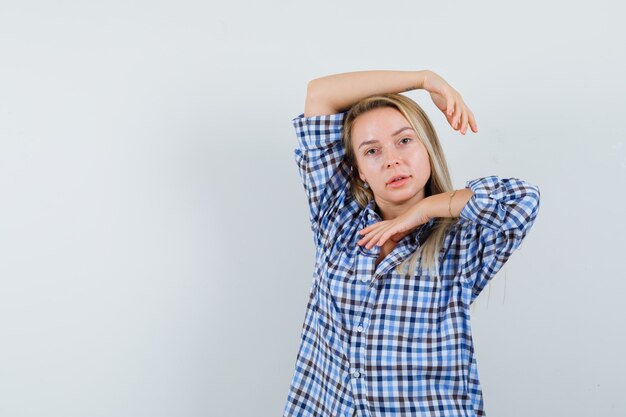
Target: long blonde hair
[{"x": 439, "y": 181}]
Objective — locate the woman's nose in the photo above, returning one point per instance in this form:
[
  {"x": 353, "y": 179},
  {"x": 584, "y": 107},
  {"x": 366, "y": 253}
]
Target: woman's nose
[{"x": 392, "y": 159}]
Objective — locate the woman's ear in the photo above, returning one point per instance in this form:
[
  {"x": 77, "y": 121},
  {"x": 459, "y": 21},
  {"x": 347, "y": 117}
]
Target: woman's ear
[{"x": 361, "y": 176}]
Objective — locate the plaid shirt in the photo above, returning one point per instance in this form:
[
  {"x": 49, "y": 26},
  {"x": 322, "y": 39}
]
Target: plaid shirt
[{"x": 374, "y": 343}]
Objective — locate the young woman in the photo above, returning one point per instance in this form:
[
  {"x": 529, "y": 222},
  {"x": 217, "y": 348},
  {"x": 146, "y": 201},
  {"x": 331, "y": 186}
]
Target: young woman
[{"x": 400, "y": 254}]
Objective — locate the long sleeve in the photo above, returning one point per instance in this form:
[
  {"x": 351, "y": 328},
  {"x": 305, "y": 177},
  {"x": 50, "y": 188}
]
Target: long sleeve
[
  {"x": 322, "y": 168},
  {"x": 499, "y": 214}
]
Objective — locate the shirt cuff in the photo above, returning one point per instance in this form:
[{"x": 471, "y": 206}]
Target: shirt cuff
[{"x": 501, "y": 204}]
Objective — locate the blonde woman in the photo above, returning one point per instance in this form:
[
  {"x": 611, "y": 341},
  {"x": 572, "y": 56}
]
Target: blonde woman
[{"x": 401, "y": 255}]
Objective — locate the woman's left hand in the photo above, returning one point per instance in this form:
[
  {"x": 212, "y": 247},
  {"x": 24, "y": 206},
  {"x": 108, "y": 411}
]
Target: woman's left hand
[
  {"x": 396, "y": 229},
  {"x": 450, "y": 102}
]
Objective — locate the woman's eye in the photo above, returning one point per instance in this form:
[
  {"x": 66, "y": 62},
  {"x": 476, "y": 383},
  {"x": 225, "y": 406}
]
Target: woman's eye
[
  {"x": 409, "y": 139},
  {"x": 368, "y": 151}
]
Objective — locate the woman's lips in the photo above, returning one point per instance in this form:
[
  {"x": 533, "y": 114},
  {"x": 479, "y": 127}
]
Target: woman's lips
[{"x": 399, "y": 183}]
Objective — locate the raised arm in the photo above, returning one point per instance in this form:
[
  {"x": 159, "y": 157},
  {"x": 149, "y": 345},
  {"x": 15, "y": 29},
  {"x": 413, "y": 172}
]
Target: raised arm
[{"x": 336, "y": 93}]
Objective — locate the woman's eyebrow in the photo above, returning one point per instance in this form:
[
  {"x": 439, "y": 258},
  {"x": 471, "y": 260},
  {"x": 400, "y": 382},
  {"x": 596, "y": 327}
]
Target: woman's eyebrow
[{"x": 402, "y": 129}]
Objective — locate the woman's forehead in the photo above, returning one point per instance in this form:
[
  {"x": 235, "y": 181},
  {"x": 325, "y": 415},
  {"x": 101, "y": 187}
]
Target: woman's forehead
[{"x": 380, "y": 124}]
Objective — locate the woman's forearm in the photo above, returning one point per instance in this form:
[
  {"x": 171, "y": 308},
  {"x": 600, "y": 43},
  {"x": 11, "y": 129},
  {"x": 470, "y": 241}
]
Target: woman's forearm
[
  {"x": 335, "y": 93},
  {"x": 439, "y": 205}
]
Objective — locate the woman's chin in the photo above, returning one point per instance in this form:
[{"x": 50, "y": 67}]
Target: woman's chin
[{"x": 403, "y": 197}]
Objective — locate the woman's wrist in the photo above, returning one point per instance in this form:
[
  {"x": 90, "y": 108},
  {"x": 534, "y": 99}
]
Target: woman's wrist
[
  {"x": 448, "y": 204},
  {"x": 420, "y": 77}
]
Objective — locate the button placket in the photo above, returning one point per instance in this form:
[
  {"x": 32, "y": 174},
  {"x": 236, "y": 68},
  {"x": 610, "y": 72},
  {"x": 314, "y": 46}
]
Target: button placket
[
  {"x": 357, "y": 358},
  {"x": 370, "y": 255}
]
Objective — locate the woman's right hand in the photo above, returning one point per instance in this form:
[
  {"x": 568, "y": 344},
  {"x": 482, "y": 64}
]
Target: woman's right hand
[
  {"x": 394, "y": 229},
  {"x": 450, "y": 102}
]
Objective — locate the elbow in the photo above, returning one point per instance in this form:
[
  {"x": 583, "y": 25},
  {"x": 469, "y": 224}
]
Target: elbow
[
  {"x": 529, "y": 209},
  {"x": 528, "y": 204},
  {"x": 317, "y": 100},
  {"x": 313, "y": 92},
  {"x": 311, "y": 87},
  {"x": 535, "y": 198}
]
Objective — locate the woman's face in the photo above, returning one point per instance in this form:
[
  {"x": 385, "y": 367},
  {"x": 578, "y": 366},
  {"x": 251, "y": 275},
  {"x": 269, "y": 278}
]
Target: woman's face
[{"x": 385, "y": 146}]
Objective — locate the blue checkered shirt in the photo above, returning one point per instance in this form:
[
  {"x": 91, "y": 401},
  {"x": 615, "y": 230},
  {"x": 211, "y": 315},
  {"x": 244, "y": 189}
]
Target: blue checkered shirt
[{"x": 374, "y": 343}]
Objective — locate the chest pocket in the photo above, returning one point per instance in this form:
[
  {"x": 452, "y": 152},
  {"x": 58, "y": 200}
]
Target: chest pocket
[{"x": 417, "y": 308}]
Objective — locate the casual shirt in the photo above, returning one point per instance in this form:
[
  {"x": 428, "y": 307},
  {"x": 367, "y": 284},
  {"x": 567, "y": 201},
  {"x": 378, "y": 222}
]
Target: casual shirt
[{"x": 373, "y": 342}]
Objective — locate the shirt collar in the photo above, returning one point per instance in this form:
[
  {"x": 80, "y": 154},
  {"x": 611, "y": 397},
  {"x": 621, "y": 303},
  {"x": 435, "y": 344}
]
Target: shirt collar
[{"x": 370, "y": 211}]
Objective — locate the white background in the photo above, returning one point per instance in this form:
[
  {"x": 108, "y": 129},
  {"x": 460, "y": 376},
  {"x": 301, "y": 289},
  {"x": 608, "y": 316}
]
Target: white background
[{"x": 155, "y": 251}]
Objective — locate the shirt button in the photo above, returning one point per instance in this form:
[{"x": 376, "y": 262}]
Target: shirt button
[
  {"x": 365, "y": 278},
  {"x": 359, "y": 329},
  {"x": 356, "y": 374}
]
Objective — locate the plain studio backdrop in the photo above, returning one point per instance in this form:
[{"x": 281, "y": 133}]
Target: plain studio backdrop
[{"x": 155, "y": 251}]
